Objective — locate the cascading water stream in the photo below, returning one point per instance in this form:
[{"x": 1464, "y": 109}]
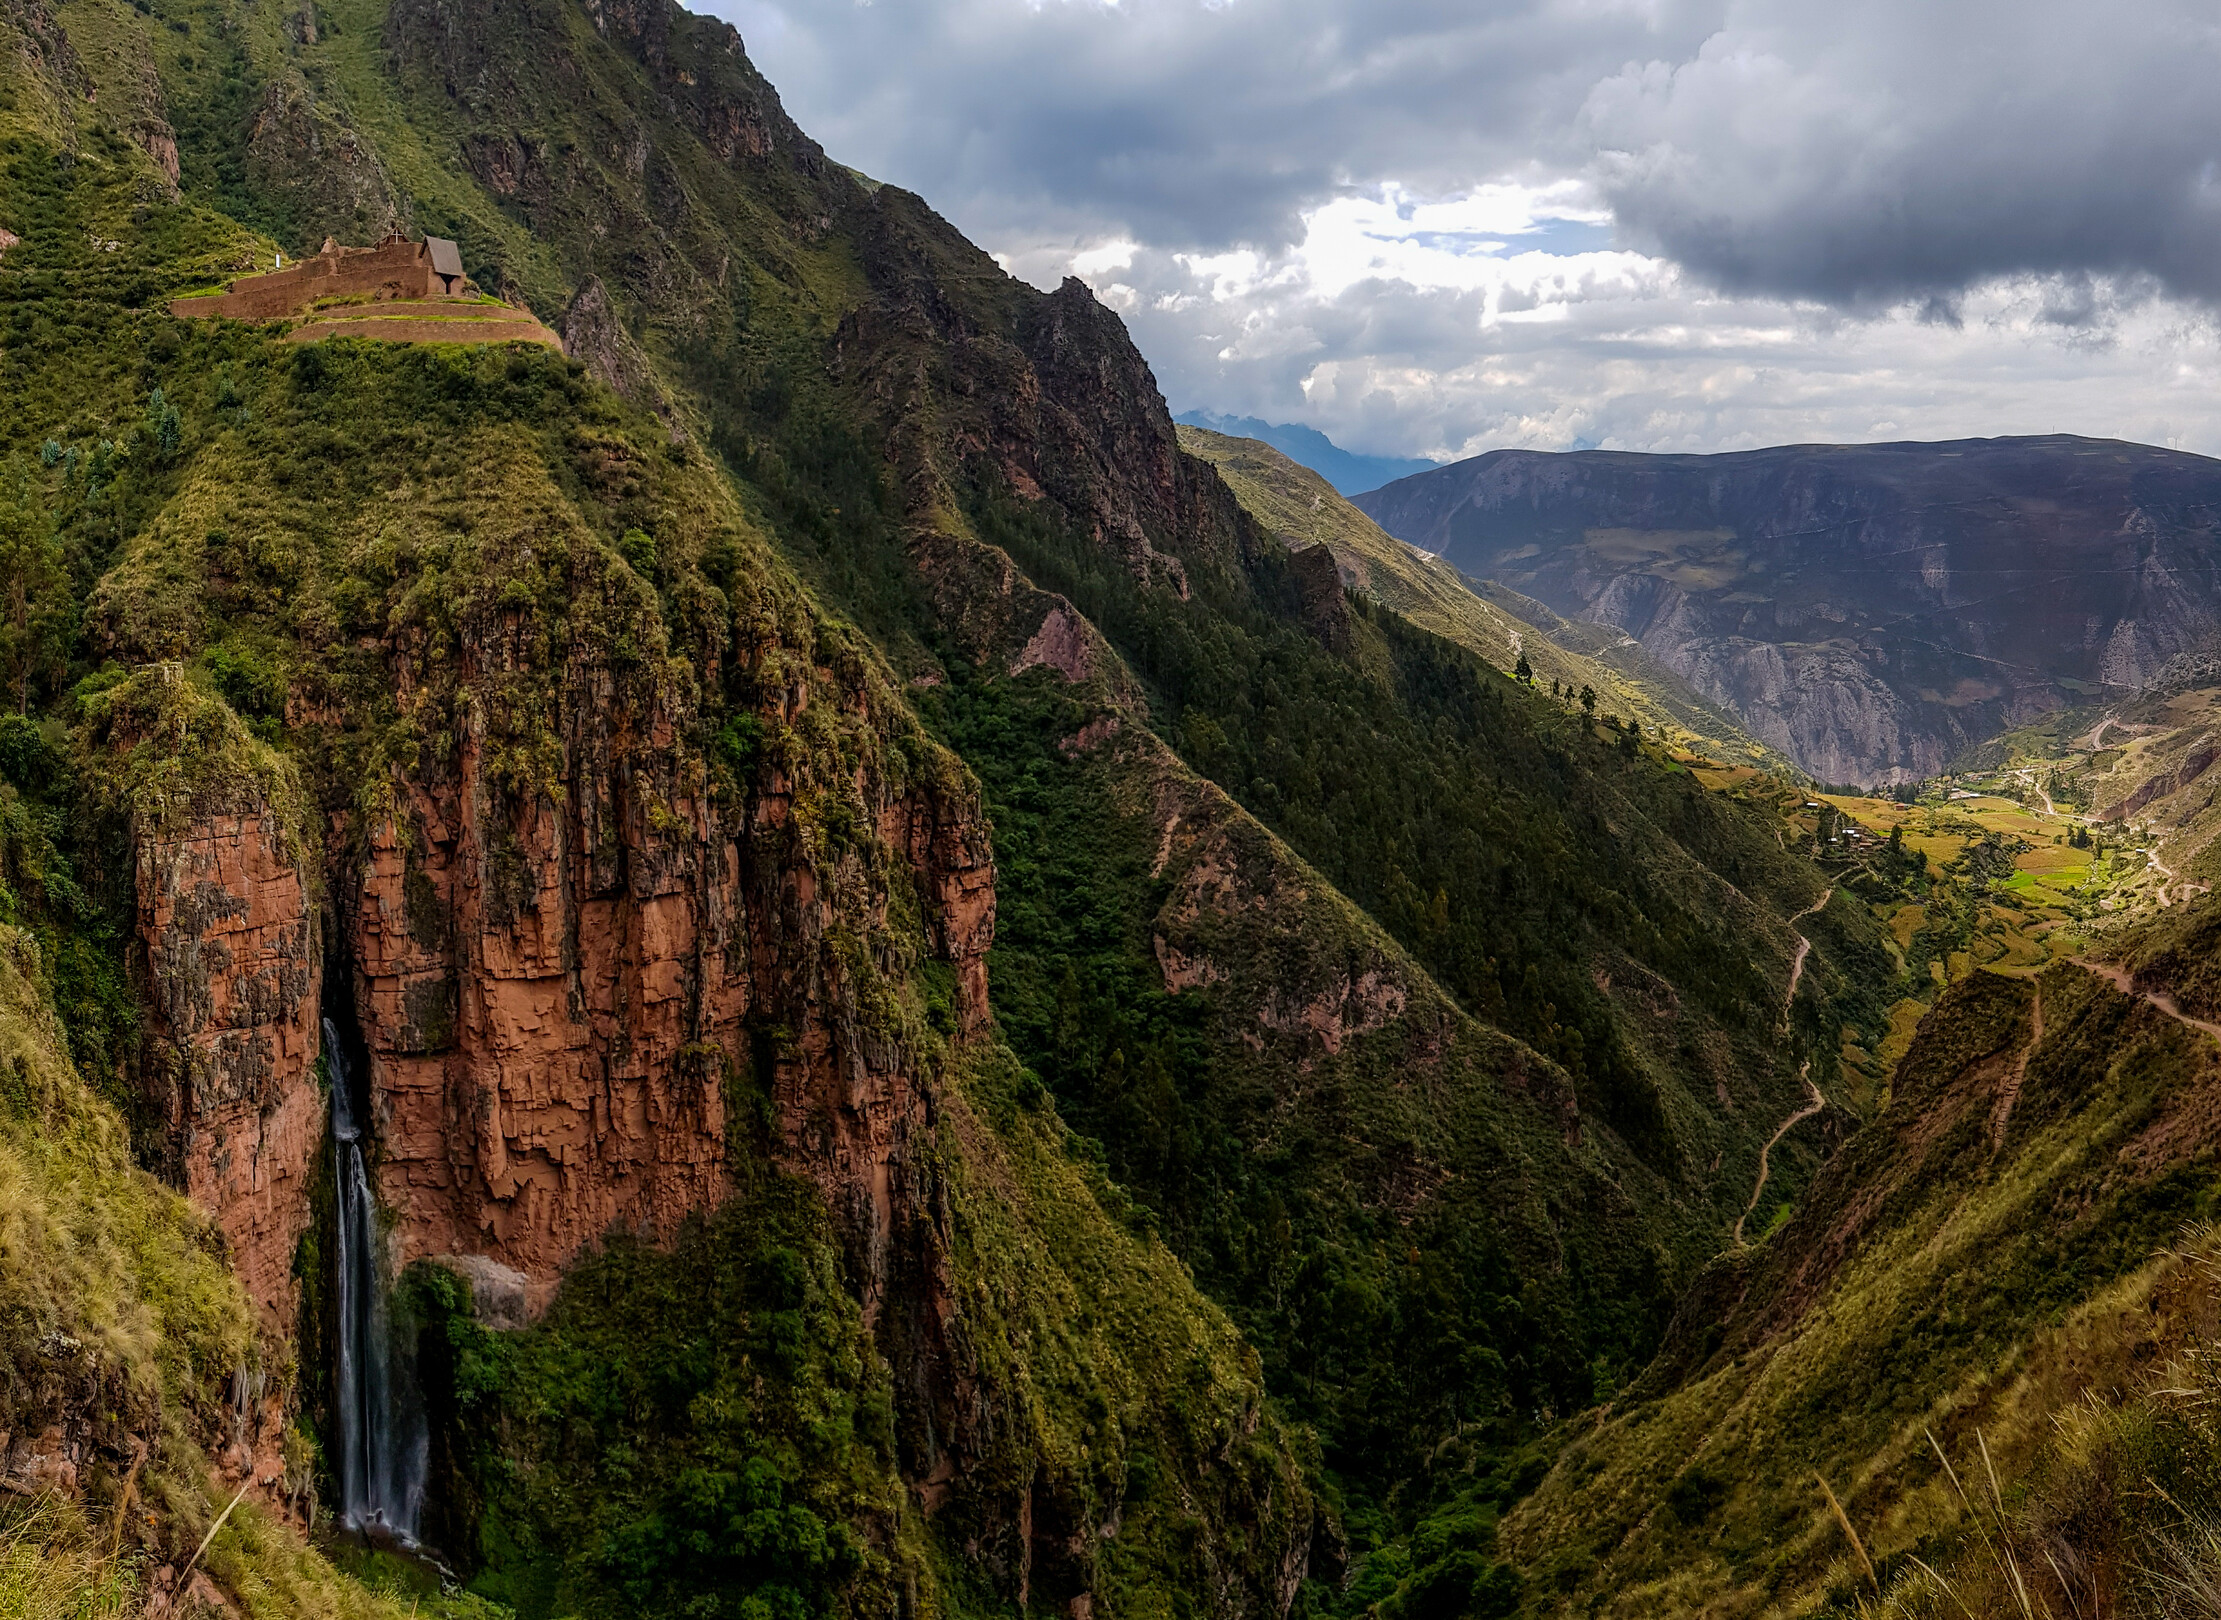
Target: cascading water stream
[{"x": 382, "y": 1444}]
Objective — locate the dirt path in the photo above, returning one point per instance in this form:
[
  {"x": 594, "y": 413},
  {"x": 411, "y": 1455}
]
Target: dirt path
[
  {"x": 2118, "y": 977},
  {"x": 2030, "y": 778},
  {"x": 2092, "y": 739},
  {"x": 1804, "y": 949},
  {"x": 2009, "y": 1093},
  {"x": 2166, "y": 873},
  {"x": 1815, "y": 1103}
]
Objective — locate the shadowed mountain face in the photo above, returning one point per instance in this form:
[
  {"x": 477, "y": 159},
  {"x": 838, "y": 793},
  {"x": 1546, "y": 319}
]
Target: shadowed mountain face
[{"x": 1871, "y": 610}]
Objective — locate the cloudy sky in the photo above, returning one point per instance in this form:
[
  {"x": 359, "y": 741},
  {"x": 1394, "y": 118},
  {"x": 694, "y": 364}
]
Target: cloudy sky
[{"x": 1432, "y": 227}]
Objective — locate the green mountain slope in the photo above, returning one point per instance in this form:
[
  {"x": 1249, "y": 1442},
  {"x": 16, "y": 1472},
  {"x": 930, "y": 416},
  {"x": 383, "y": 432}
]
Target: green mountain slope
[
  {"x": 1301, "y": 509},
  {"x": 1343, "y": 992},
  {"x": 265, "y": 517},
  {"x": 1961, "y": 1279}
]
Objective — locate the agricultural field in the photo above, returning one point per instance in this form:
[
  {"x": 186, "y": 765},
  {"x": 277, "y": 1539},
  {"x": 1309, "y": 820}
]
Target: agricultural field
[{"x": 1999, "y": 869}]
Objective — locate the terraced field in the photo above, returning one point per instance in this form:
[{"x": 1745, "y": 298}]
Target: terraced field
[{"x": 426, "y": 321}]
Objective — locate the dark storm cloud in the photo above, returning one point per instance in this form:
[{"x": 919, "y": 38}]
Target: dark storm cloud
[
  {"x": 1887, "y": 151},
  {"x": 1193, "y": 125},
  {"x": 1857, "y": 153}
]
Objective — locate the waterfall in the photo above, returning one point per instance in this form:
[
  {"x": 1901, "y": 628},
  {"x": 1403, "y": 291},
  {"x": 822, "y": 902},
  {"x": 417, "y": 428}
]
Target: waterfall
[{"x": 382, "y": 1439}]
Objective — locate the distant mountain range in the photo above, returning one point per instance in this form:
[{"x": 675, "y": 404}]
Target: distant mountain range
[
  {"x": 1871, "y": 610},
  {"x": 1349, "y": 472}
]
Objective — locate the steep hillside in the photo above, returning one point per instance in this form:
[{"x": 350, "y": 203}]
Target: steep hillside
[
  {"x": 1871, "y": 610},
  {"x": 1971, "y": 1273},
  {"x": 1300, "y": 509},
  {"x": 648, "y": 898},
  {"x": 923, "y": 994}
]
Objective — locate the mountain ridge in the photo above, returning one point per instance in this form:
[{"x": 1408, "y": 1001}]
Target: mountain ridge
[
  {"x": 640, "y": 757},
  {"x": 2108, "y": 546},
  {"x": 1350, "y": 472},
  {"x": 954, "y": 1024},
  {"x": 1297, "y": 505}
]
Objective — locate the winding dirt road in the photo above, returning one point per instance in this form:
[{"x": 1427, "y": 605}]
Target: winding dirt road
[
  {"x": 2030, "y": 778},
  {"x": 2189, "y": 890},
  {"x": 1813, "y": 1106},
  {"x": 1804, "y": 949},
  {"x": 2120, "y": 978},
  {"x": 1815, "y": 1102}
]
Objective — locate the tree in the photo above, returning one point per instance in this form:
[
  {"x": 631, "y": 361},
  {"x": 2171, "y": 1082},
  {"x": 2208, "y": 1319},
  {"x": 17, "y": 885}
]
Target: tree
[
  {"x": 164, "y": 426},
  {"x": 1523, "y": 671},
  {"x": 34, "y": 597},
  {"x": 1588, "y": 700}
]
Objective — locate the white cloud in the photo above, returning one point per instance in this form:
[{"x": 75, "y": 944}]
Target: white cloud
[
  {"x": 1445, "y": 225},
  {"x": 1393, "y": 334}
]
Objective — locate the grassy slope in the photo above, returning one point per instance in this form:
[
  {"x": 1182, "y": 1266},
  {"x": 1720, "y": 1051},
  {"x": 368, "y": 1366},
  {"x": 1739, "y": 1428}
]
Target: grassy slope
[
  {"x": 1965, "y": 1265},
  {"x": 1302, "y": 509}
]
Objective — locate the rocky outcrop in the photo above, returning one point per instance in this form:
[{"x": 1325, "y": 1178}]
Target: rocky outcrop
[
  {"x": 227, "y": 955},
  {"x": 709, "y": 84},
  {"x": 562, "y": 1010},
  {"x": 595, "y": 335},
  {"x": 1324, "y": 585},
  {"x": 582, "y": 999},
  {"x": 308, "y": 156},
  {"x": 234, "y": 976},
  {"x": 2162, "y": 784}
]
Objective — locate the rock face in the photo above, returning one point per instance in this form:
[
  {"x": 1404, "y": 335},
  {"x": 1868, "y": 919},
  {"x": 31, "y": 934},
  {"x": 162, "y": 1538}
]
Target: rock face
[
  {"x": 566, "y": 996},
  {"x": 234, "y": 977},
  {"x": 309, "y": 157},
  {"x": 1870, "y": 609},
  {"x": 594, "y": 335}
]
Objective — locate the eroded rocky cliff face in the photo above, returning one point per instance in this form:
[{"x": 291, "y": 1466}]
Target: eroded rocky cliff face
[
  {"x": 565, "y": 996},
  {"x": 234, "y": 976},
  {"x": 1871, "y": 610}
]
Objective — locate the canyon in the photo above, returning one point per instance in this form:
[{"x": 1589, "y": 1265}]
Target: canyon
[
  {"x": 803, "y": 962},
  {"x": 1873, "y": 611}
]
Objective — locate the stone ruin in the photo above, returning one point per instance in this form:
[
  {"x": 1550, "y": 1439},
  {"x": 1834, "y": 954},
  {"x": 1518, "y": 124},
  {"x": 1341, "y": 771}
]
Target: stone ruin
[
  {"x": 395, "y": 269},
  {"x": 399, "y": 290}
]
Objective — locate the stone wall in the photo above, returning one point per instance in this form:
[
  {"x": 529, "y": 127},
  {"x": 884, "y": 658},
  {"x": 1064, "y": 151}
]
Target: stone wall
[{"x": 393, "y": 269}]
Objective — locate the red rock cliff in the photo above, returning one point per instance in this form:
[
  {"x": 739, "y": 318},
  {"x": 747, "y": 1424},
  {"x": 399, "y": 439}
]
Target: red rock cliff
[
  {"x": 566, "y": 991},
  {"x": 233, "y": 979}
]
